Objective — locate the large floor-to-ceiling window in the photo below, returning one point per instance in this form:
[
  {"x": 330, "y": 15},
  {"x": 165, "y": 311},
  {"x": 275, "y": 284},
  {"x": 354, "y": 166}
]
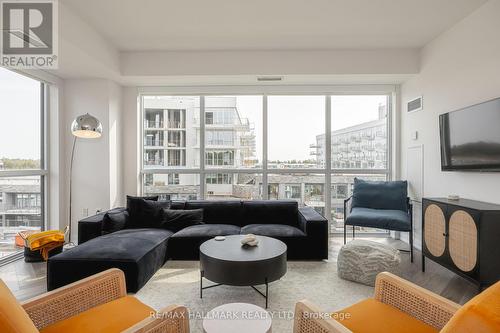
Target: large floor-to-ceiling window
[
  {"x": 307, "y": 148},
  {"x": 22, "y": 162}
]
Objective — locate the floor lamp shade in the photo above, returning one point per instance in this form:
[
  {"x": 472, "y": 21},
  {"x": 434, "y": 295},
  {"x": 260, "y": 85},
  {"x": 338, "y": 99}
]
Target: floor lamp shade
[{"x": 86, "y": 127}]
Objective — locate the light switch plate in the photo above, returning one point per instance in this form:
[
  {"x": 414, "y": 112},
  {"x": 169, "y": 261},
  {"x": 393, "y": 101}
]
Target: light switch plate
[{"x": 414, "y": 135}]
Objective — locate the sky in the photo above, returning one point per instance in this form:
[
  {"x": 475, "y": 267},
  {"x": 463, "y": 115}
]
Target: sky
[
  {"x": 295, "y": 121},
  {"x": 19, "y": 116}
]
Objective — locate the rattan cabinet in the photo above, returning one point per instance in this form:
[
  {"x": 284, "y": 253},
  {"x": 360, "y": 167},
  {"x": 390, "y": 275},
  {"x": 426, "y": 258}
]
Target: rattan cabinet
[{"x": 463, "y": 236}]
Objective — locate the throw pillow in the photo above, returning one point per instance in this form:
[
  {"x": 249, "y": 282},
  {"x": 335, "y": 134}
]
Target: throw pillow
[
  {"x": 114, "y": 220},
  {"x": 132, "y": 201},
  {"x": 176, "y": 220},
  {"x": 147, "y": 214}
]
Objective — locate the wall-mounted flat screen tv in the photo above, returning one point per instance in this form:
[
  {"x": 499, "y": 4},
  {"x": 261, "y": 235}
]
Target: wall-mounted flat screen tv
[{"x": 470, "y": 138}]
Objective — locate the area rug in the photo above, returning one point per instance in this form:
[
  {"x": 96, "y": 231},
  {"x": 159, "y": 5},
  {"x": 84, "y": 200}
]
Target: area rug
[{"x": 178, "y": 283}]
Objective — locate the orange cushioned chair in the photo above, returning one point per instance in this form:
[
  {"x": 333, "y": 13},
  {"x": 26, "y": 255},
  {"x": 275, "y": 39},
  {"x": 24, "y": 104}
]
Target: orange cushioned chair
[
  {"x": 97, "y": 304},
  {"x": 399, "y": 306}
]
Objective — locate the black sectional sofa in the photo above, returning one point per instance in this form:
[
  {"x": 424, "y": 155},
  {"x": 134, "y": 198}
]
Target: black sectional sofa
[{"x": 140, "y": 252}]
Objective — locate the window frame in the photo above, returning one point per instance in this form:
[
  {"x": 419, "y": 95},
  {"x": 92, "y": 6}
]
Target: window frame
[
  {"x": 42, "y": 171},
  {"x": 390, "y": 91}
]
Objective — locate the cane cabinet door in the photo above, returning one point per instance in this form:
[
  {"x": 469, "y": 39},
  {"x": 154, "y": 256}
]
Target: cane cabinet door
[
  {"x": 462, "y": 241},
  {"x": 435, "y": 229}
]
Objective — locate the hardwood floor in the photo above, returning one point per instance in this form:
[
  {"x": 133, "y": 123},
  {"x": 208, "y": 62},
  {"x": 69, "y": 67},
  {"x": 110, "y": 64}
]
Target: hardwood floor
[{"x": 27, "y": 280}]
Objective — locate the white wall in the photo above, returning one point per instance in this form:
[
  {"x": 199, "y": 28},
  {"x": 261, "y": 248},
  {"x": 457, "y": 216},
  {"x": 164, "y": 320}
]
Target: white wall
[
  {"x": 389, "y": 61},
  {"x": 83, "y": 51},
  {"x": 131, "y": 150},
  {"x": 459, "y": 68},
  {"x": 97, "y": 169},
  {"x": 115, "y": 144}
]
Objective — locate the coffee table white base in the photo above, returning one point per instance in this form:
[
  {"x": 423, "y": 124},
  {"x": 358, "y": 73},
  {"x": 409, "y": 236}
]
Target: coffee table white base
[{"x": 237, "y": 317}]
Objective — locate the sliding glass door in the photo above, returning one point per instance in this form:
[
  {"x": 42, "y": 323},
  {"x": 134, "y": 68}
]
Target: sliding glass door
[
  {"x": 307, "y": 148},
  {"x": 22, "y": 162}
]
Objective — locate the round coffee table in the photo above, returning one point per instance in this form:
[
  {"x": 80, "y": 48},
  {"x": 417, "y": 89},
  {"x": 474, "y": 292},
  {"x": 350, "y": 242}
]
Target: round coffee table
[
  {"x": 227, "y": 262},
  {"x": 237, "y": 317}
]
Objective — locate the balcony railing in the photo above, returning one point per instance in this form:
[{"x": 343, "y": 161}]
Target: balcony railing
[
  {"x": 176, "y": 124},
  {"x": 176, "y": 144},
  {"x": 14, "y": 209},
  {"x": 154, "y": 162},
  {"x": 154, "y": 143},
  {"x": 153, "y": 124}
]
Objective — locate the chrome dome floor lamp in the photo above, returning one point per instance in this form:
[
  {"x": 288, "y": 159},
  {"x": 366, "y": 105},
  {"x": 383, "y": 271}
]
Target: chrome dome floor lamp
[{"x": 85, "y": 127}]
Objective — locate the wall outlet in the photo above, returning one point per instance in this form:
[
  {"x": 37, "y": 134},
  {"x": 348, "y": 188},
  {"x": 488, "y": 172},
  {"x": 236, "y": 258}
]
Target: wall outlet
[{"x": 85, "y": 212}]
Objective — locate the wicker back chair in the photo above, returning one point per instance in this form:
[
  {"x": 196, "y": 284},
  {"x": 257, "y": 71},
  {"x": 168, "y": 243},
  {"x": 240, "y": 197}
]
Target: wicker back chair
[
  {"x": 404, "y": 296},
  {"x": 77, "y": 300}
]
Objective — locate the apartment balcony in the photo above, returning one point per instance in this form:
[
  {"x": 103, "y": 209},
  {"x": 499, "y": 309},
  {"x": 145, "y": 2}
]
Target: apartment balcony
[
  {"x": 153, "y": 143},
  {"x": 369, "y": 137},
  {"x": 243, "y": 126},
  {"x": 154, "y": 162},
  {"x": 314, "y": 153},
  {"x": 16, "y": 210},
  {"x": 315, "y": 146},
  {"x": 176, "y": 145},
  {"x": 153, "y": 124},
  {"x": 176, "y": 125}
]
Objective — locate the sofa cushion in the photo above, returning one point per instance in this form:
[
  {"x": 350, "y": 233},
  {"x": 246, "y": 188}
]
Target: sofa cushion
[
  {"x": 273, "y": 230},
  {"x": 208, "y": 231},
  {"x": 132, "y": 201},
  {"x": 380, "y": 194},
  {"x": 139, "y": 253},
  {"x": 177, "y": 204},
  {"x": 218, "y": 212},
  {"x": 271, "y": 212},
  {"x": 114, "y": 220},
  {"x": 185, "y": 244},
  {"x": 114, "y": 316},
  {"x": 372, "y": 316},
  {"x": 147, "y": 214},
  {"x": 133, "y": 205},
  {"x": 379, "y": 218},
  {"x": 176, "y": 220}
]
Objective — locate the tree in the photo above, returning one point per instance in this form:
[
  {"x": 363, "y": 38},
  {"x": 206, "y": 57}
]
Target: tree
[{"x": 17, "y": 163}]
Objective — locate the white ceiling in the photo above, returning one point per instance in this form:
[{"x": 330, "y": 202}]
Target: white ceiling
[{"x": 139, "y": 25}]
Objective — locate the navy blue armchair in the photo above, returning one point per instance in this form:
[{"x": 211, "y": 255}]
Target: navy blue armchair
[{"x": 381, "y": 205}]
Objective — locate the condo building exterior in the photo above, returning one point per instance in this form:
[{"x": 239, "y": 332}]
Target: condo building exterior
[
  {"x": 172, "y": 141},
  {"x": 20, "y": 209}
]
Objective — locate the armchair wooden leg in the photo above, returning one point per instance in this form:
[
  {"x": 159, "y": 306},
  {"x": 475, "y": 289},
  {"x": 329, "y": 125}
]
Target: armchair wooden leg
[{"x": 353, "y": 229}]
